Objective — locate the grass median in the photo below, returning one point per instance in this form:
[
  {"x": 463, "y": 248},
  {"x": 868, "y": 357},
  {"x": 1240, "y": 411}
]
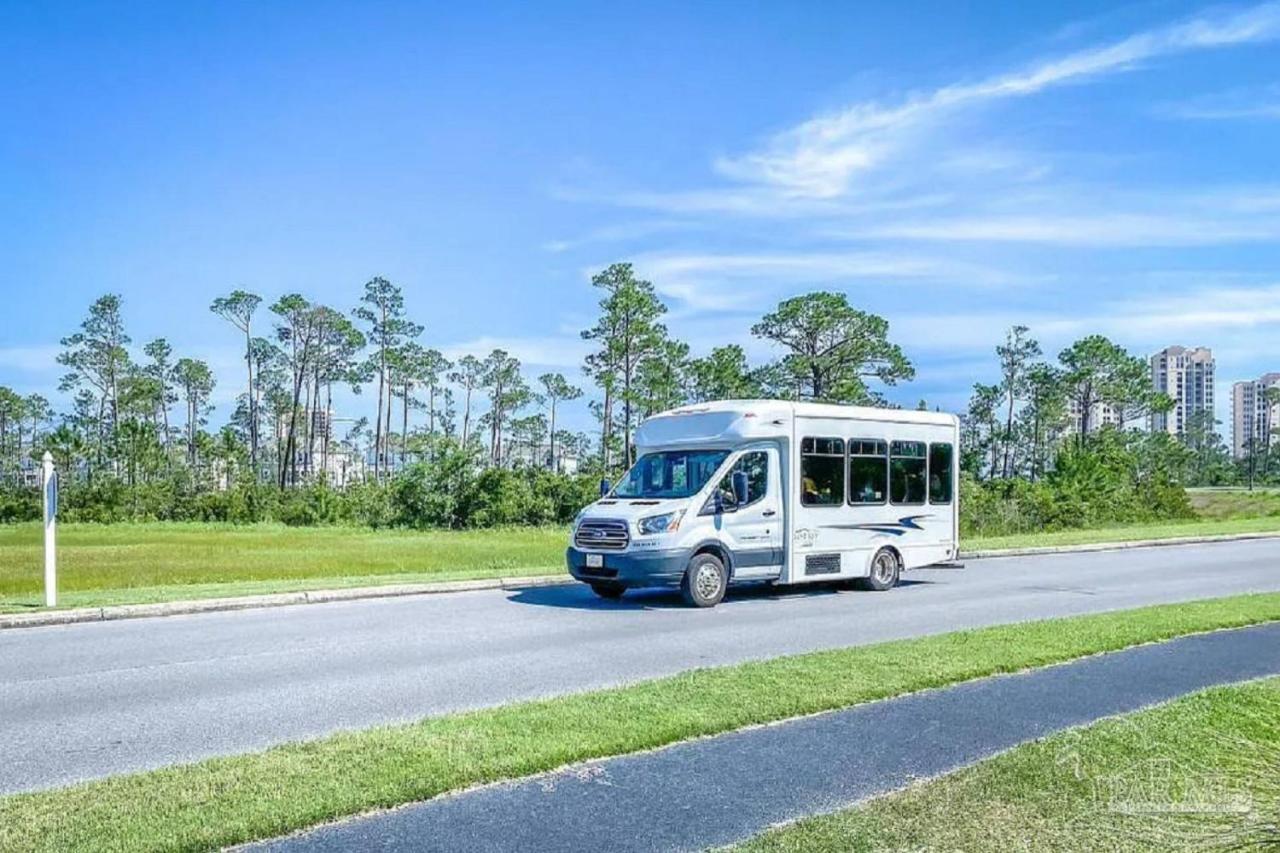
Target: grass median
[
  {"x": 1200, "y": 773},
  {"x": 140, "y": 563},
  {"x": 1130, "y": 533},
  {"x": 228, "y": 800},
  {"x": 101, "y": 565}
]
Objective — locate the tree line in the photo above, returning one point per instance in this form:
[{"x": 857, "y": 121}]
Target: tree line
[
  {"x": 124, "y": 421},
  {"x": 137, "y": 433},
  {"x": 1018, "y": 427},
  {"x": 1060, "y": 444}
]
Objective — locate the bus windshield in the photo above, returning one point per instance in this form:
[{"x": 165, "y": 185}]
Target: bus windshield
[{"x": 670, "y": 474}]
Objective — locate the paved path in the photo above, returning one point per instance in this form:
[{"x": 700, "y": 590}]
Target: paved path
[
  {"x": 719, "y": 790},
  {"x": 83, "y": 701}
]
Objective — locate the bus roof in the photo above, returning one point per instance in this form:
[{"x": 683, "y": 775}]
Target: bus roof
[
  {"x": 760, "y": 408},
  {"x": 737, "y": 421}
]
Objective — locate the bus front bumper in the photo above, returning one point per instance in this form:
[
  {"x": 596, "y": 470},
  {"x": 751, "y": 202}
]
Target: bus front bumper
[{"x": 630, "y": 569}]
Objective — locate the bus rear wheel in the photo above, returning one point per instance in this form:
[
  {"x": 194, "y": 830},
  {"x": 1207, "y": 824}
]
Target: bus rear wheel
[{"x": 885, "y": 571}]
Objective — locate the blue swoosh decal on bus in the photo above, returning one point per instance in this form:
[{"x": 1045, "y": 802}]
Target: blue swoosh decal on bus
[{"x": 898, "y": 528}]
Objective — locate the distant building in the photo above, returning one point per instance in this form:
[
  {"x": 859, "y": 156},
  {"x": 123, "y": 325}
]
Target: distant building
[
  {"x": 1252, "y": 417},
  {"x": 320, "y": 424},
  {"x": 539, "y": 456},
  {"x": 1186, "y": 375},
  {"x": 29, "y": 473},
  {"x": 1100, "y": 415}
]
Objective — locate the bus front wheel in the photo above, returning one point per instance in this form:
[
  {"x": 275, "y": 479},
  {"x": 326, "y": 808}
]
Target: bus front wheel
[{"x": 704, "y": 581}]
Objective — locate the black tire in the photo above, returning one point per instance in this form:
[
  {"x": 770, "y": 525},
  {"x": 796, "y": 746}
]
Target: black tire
[
  {"x": 705, "y": 581},
  {"x": 611, "y": 591},
  {"x": 886, "y": 568}
]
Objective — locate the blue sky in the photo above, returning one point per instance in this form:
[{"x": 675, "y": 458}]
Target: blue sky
[{"x": 954, "y": 167}]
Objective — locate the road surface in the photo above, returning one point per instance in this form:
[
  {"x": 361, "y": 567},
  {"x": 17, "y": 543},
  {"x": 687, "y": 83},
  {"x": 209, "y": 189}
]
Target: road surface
[{"x": 90, "y": 700}]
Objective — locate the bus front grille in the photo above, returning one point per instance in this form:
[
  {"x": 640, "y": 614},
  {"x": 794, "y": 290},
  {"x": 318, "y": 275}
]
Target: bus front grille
[{"x": 602, "y": 535}]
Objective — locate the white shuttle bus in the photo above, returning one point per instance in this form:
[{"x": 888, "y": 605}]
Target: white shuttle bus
[{"x": 766, "y": 490}]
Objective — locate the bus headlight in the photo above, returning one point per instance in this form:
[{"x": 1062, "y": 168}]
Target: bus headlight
[{"x": 666, "y": 523}]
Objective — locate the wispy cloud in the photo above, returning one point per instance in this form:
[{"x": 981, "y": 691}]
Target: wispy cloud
[
  {"x": 564, "y": 351},
  {"x": 1202, "y": 316},
  {"x": 747, "y": 281},
  {"x": 928, "y": 188},
  {"x": 1218, "y": 308},
  {"x": 805, "y": 265},
  {"x": 620, "y": 233},
  {"x": 1085, "y": 229},
  {"x": 820, "y": 158},
  {"x": 765, "y": 202}
]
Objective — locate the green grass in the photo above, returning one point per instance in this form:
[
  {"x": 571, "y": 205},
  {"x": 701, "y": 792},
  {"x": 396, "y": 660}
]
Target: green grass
[
  {"x": 1131, "y": 533},
  {"x": 1235, "y": 503},
  {"x": 1200, "y": 773},
  {"x": 133, "y": 563},
  {"x": 141, "y": 563},
  {"x": 229, "y": 800}
]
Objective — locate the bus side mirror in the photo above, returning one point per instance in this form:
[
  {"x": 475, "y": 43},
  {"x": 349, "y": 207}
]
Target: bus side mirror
[
  {"x": 741, "y": 488},
  {"x": 605, "y": 487}
]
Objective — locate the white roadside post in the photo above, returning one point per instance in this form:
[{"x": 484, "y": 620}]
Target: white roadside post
[{"x": 49, "y": 483}]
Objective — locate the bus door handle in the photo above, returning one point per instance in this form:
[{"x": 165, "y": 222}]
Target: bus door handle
[{"x": 769, "y": 512}]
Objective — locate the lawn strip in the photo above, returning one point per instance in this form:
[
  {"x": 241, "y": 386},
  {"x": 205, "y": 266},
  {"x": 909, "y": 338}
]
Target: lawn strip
[
  {"x": 135, "y": 563},
  {"x": 228, "y": 800},
  {"x": 105, "y": 565},
  {"x": 1130, "y": 533},
  {"x": 1199, "y": 773}
]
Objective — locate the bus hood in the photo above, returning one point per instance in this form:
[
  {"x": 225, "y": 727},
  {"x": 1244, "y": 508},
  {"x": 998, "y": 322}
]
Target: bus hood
[{"x": 632, "y": 509}]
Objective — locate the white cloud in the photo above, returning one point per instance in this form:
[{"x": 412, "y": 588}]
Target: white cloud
[
  {"x": 623, "y": 232},
  {"x": 1215, "y": 316},
  {"x": 1220, "y": 308},
  {"x": 820, "y": 158},
  {"x": 745, "y": 201},
  {"x": 747, "y": 281},
  {"x": 792, "y": 266},
  {"x": 565, "y": 351},
  {"x": 1100, "y": 229}
]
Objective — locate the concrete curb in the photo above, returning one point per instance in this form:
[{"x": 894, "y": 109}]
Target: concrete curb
[
  {"x": 250, "y": 602},
  {"x": 319, "y": 596}
]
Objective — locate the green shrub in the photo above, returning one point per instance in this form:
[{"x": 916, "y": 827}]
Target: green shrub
[
  {"x": 1114, "y": 478},
  {"x": 19, "y": 504}
]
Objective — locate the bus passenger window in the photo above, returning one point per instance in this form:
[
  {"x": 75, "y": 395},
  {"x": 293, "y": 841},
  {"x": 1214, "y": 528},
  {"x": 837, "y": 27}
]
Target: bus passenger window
[
  {"x": 822, "y": 471},
  {"x": 907, "y": 465},
  {"x": 868, "y": 471},
  {"x": 941, "y": 483}
]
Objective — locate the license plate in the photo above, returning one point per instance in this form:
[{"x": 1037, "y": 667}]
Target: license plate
[{"x": 595, "y": 561}]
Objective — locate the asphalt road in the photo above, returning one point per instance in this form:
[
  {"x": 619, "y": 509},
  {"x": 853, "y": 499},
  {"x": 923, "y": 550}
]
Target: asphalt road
[
  {"x": 89, "y": 700},
  {"x": 711, "y": 792}
]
